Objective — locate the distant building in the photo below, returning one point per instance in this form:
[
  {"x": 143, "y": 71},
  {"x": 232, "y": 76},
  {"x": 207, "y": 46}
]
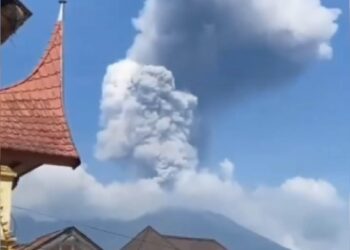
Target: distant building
[
  {"x": 150, "y": 239},
  {"x": 68, "y": 239}
]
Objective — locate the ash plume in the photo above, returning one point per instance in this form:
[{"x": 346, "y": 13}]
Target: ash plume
[
  {"x": 233, "y": 48},
  {"x": 217, "y": 50},
  {"x": 146, "y": 121}
]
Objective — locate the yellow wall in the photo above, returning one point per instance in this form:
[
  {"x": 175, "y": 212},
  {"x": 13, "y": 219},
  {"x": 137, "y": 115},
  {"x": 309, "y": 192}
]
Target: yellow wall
[{"x": 6, "y": 179}]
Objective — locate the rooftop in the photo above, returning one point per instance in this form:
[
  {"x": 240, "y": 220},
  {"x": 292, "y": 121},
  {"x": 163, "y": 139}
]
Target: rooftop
[
  {"x": 33, "y": 125},
  {"x": 56, "y": 239},
  {"x": 150, "y": 239}
]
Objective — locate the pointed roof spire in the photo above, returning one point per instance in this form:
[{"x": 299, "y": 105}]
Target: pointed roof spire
[
  {"x": 33, "y": 125},
  {"x": 61, "y": 13}
]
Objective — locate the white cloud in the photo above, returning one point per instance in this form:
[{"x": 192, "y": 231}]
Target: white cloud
[
  {"x": 318, "y": 190},
  {"x": 289, "y": 214},
  {"x": 227, "y": 169},
  {"x": 55, "y": 187}
]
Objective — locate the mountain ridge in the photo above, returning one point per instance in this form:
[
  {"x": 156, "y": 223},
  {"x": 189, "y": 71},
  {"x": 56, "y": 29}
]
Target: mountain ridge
[{"x": 171, "y": 221}]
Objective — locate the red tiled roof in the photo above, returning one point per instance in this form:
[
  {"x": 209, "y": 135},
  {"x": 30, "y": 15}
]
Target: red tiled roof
[{"x": 33, "y": 126}]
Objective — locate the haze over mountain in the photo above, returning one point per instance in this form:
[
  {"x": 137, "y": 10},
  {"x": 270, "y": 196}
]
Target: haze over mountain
[{"x": 170, "y": 221}]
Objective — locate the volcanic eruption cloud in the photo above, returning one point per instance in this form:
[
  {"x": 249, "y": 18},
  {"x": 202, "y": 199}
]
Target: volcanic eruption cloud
[
  {"x": 216, "y": 50},
  {"x": 147, "y": 122}
]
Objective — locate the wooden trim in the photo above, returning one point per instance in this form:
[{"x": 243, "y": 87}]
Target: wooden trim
[{"x": 24, "y": 162}]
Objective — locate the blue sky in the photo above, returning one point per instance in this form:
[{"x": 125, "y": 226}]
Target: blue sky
[{"x": 299, "y": 129}]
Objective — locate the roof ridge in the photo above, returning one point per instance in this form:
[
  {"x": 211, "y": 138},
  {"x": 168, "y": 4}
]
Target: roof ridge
[
  {"x": 54, "y": 235},
  {"x": 75, "y": 229},
  {"x": 187, "y": 237},
  {"x": 135, "y": 237},
  {"x": 164, "y": 238},
  {"x": 49, "y": 236},
  {"x": 145, "y": 231}
]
